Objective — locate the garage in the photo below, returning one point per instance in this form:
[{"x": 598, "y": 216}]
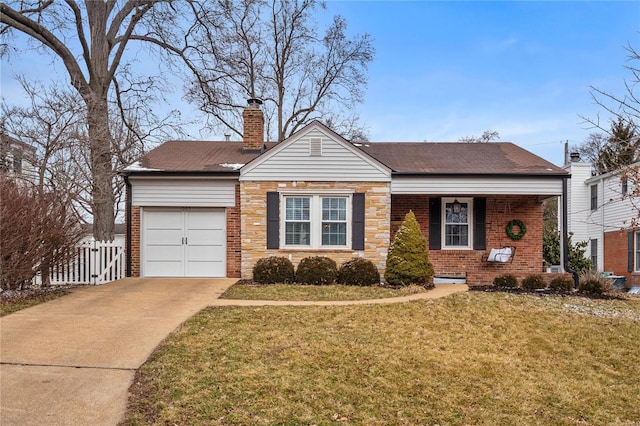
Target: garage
[{"x": 184, "y": 242}]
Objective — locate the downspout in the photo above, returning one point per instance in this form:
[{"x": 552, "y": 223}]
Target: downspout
[
  {"x": 128, "y": 225},
  {"x": 565, "y": 234}
]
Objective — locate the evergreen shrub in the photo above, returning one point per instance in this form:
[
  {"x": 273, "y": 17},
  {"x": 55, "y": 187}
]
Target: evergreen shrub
[
  {"x": 408, "y": 258},
  {"x": 505, "y": 280},
  {"x": 272, "y": 270},
  {"x": 317, "y": 270},
  {"x": 533, "y": 282},
  {"x": 561, "y": 283},
  {"x": 358, "y": 271}
]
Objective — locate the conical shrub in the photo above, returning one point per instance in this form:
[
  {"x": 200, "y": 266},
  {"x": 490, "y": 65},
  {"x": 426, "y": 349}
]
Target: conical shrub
[{"x": 408, "y": 259}]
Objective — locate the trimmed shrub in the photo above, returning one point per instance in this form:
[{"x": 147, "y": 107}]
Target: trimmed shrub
[
  {"x": 533, "y": 282},
  {"x": 317, "y": 270},
  {"x": 561, "y": 283},
  {"x": 358, "y": 271},
  {"x": 272, "y": 270},
  {"x": 505, "y": 280},
  {"x": 408, "y": 258},
  {"x": 594, "y": 283}
]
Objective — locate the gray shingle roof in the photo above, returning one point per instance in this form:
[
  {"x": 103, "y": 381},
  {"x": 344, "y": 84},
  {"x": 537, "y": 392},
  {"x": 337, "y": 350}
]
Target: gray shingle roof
[
  {"x": 501, "y": 158},
  {"x": 460, "y": 158}
]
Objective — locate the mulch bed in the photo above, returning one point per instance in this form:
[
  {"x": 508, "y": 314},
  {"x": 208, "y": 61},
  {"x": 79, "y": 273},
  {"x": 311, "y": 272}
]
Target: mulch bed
[{"x": 546, "y": 292}]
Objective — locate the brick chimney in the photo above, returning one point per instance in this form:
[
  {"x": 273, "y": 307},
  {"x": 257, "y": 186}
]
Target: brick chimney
[{"x": 253, "y": 132}]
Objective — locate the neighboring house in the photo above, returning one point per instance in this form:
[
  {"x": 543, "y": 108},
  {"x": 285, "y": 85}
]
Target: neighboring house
[
  {"x": 215, "y": 208},
  {"x": 17, "y": 159},
  {"x": 599, "y": 213}
]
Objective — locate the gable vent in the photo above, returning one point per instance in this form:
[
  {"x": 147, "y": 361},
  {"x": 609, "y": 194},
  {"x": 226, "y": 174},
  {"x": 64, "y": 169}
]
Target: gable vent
[{"x": 315, "y": 147}]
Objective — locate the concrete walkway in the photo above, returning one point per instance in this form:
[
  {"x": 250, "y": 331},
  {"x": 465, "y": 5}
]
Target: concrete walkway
[{"x": 71, "y": 361}]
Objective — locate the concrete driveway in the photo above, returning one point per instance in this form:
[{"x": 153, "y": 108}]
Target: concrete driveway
[{"x": 71, "y": 361}]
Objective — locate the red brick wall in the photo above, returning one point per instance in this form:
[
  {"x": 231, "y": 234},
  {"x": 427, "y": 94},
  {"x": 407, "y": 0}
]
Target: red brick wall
[
  {"x": 616, "y": 256},
  {"x": 234, "y": 240},
  {"x": 135, "y": 241},
  {"x": 500, "y": 210},
  {"x": 253, "y": 137}
]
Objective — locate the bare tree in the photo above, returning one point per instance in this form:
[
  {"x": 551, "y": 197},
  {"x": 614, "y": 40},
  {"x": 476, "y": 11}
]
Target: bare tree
[
  {"x": 620, "y": 153},
  {"x": 37, "y": 230},
  {"x": 91, "y": 40},
  {"x": 271, "y": 50},
  {"x": 54, "y": 122},
  {"x": 487, "y": 136}
]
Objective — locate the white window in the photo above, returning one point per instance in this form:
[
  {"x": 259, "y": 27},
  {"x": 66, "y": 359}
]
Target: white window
[
  {"x": 456, "y": 223},
  {"x": 594, "y": 197},
  {"x": 316, "y": 221}
]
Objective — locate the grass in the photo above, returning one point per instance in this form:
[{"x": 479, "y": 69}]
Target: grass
[
  {"x": 27, "y": 299},
  {"x": 471, "y": 358},
  {"x": 316, "y": 293}
]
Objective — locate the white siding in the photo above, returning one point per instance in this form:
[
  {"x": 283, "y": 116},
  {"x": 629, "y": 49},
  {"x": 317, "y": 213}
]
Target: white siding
[
  {"x": 617, "y": 212},
  {"x": 579, "y": 202},
  {"x": 482, "y": 185},
  {"x": 336, "y": 162},
  {"x": 183, "y": 192}
]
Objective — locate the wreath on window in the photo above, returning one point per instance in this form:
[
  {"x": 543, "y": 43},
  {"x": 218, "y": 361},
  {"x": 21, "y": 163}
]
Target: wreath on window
[{"x": 519, "y": 224}]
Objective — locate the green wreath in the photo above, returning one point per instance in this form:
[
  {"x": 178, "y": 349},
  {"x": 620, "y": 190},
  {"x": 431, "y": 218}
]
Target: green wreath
[{"x": 519, "y": 224}]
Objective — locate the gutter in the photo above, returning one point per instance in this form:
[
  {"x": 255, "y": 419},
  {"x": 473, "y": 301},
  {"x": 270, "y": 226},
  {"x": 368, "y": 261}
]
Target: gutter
[{"x": 565, "y": 234}]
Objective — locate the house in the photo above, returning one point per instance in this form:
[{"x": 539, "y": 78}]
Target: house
[
  {"x": 599, "y": 213},
  {"x": 214, "y": 208},
  {"x": 17, "y": 159}
]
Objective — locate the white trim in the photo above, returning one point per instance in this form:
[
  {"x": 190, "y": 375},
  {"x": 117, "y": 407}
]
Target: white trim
[
  {"x": 490, "y": 185},
  {"x": 315, "y": 219},
  {"x": 470, "y": 221}
]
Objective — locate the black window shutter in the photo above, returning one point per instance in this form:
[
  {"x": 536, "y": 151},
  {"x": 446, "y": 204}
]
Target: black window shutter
[
  {"x": 357, "y": 225},
  {"x": 273, "y": 220},
  {"x": 479, "y": 223},
  {"x": 630, "y": 252},
  {"x": 435, "y": 221}
]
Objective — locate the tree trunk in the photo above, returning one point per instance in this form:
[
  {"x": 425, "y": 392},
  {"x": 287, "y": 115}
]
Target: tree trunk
[{"x": 101, "y": 167}]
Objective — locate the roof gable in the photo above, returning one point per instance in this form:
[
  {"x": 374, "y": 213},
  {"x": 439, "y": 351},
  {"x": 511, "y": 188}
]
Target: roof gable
[{"x": 315, "y": 153}]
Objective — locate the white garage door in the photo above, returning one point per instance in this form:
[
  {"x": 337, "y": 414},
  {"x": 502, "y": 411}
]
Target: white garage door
[{"x": 184, "y": 242}]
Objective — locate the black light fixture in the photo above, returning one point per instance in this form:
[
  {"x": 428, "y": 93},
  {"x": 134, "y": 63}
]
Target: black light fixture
[{"x": 456, "y": 206}]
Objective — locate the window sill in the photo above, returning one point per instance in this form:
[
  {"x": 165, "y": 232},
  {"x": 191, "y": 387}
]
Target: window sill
[{"x": 316, "y": 250}]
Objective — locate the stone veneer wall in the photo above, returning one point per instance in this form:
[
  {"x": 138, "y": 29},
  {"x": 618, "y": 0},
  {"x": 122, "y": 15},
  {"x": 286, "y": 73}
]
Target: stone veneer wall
[
  {"x": 500, "y": 210},
  {"x": 254, "y": 222}
]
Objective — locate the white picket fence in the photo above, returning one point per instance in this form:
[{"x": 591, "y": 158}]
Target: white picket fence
[{"x": 93, "y": 262}]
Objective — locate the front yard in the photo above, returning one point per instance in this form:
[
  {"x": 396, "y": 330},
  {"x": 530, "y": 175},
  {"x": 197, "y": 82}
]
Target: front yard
[{"x": 471, "y": 358}]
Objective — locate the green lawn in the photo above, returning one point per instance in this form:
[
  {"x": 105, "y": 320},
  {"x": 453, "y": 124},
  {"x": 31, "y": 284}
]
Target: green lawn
[
  {"x": 316, "y": 293},
  {"x": 470, "y": 358}
]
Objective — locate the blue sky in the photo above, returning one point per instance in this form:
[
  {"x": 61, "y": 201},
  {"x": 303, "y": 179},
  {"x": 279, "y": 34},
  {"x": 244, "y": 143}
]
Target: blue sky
[{"x": 445, "y": 70}]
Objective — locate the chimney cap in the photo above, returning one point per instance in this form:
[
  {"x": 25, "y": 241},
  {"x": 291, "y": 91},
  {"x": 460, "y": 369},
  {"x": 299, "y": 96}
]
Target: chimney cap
[
  {"x": 254, "y": 102},
  {"x": 575, "y": 156}
]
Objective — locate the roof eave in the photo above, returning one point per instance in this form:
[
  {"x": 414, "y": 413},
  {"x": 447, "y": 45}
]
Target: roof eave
[
  {"x": 479, "y": 175},
  {"x": 184, "y": 173}
]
